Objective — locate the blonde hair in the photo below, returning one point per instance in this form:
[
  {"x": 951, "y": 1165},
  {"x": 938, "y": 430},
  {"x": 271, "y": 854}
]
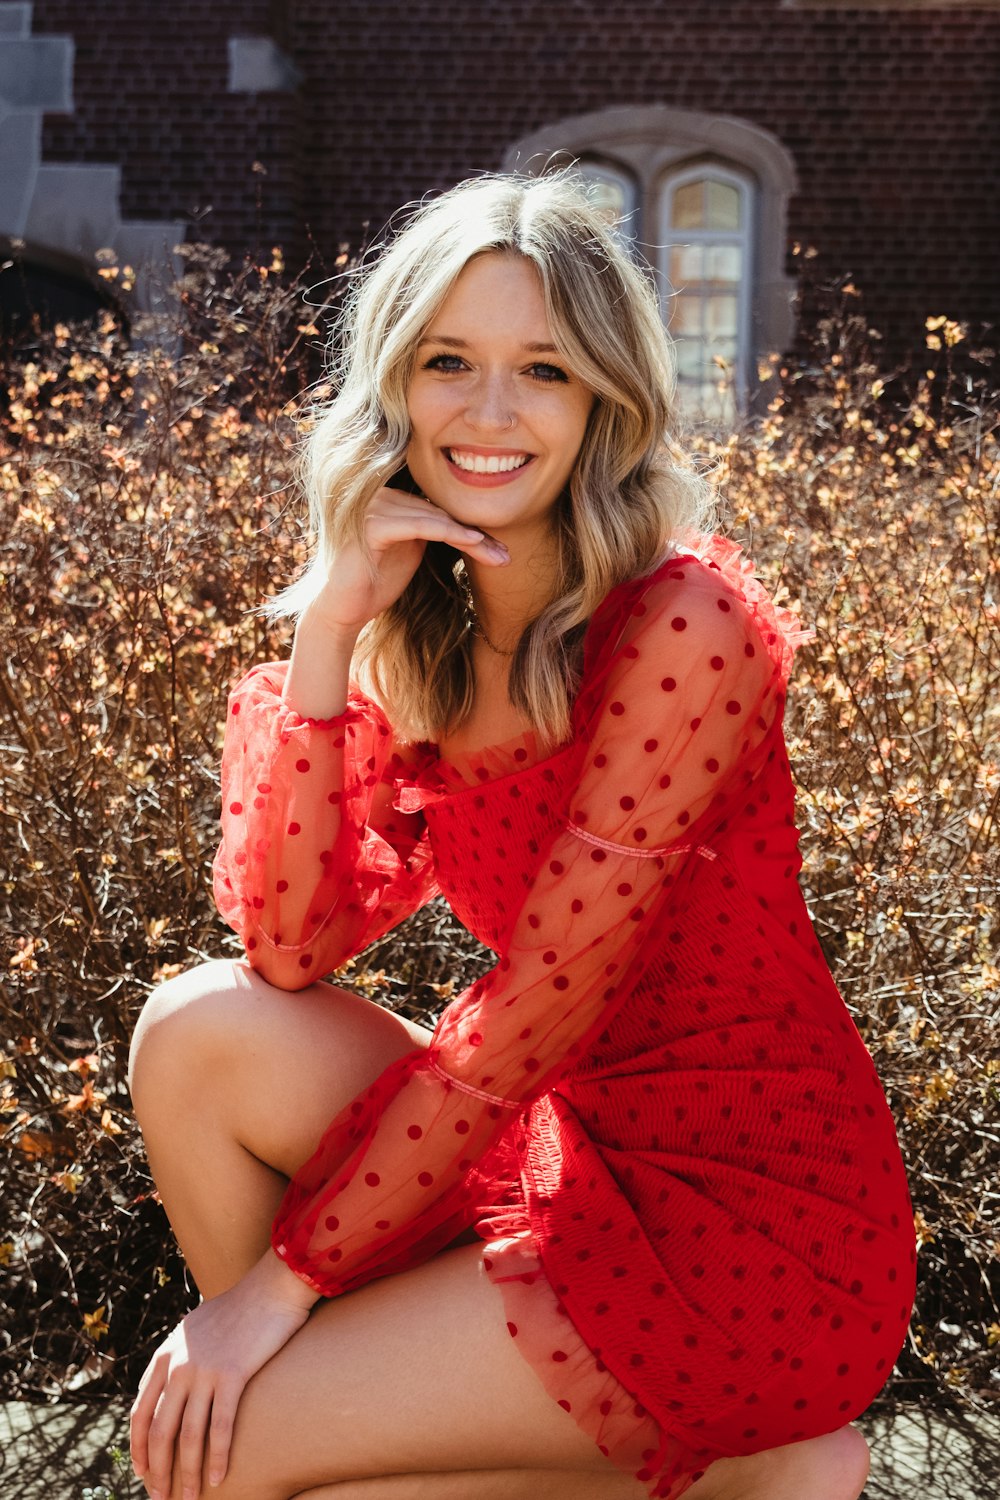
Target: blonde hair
[{"x": 630, "y": 490}]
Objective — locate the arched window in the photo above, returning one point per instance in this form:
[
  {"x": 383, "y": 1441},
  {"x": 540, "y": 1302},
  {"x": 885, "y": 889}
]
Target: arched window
[
  {"x": 704, "y": 202},
  {"x": 706, "y": 263}
]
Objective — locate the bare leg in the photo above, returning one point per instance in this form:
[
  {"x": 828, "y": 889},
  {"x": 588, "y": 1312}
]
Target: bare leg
[
  {"x": 486, "y": 1484},
  {"x": 234, "y": 1083},
  {"x": 835, "y": 1465},
  {"x": 415, "y": 1376}
]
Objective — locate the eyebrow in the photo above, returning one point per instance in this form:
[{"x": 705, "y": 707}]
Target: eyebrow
[{"x": 443, "y": 338}]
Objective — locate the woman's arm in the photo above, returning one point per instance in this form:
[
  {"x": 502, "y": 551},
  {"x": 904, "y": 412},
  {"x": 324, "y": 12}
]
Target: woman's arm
[
  {"x": 204, "y": 1365},
  {"x": 319, "y": 670},
  {"x": 315, "y": 863}
]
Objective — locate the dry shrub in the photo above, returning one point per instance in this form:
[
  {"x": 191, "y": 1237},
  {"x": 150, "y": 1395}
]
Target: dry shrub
[{"x": 147, "y": 508}]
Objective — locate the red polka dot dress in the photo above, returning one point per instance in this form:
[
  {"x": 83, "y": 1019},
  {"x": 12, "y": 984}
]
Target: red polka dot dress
[{"x": 655, "y": 1108}]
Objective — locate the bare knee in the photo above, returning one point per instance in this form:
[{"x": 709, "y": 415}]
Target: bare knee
[
  {"x": 831, "y": 1467},
  {"x": 180, "y": 1019},
  {"x": 852, "y": 1457},
  {"x": 203, "y": 1038}
]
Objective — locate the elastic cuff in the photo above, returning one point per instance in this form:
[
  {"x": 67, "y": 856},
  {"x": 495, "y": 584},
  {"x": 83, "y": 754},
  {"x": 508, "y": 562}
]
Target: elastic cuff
[{"x": 282, "y": 1251}]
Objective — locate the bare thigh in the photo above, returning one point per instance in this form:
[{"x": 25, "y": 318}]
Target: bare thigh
[{"x": 412, "y": 1374}]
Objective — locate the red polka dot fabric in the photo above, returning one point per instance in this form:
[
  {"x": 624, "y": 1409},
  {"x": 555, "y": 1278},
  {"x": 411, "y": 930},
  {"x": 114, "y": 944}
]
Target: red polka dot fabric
[{"x": 656, "y": 1101}]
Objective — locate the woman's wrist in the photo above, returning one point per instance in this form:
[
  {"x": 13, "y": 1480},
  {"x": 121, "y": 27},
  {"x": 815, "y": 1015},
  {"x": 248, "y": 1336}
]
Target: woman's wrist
[
  {"x": 319, "y": 672},
  {"x": 275, "y": 1279}
]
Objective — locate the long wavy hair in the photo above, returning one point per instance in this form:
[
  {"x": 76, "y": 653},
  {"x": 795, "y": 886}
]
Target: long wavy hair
[{"x": 631, "y": 489}]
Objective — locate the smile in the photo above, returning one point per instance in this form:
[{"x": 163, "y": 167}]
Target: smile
[{"x": 479, "y": 463}]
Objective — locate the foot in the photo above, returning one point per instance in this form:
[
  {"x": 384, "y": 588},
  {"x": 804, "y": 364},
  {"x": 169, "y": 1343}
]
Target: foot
[{"x": 832, "y": 1467}]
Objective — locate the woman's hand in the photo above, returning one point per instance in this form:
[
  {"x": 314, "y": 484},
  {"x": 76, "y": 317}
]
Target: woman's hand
[
  {"x": 398, "y": 527},
  {"x": 193, "y": 1384}
]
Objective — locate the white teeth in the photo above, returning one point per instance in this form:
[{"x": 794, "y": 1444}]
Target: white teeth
[{"x": 476, "y": 463}]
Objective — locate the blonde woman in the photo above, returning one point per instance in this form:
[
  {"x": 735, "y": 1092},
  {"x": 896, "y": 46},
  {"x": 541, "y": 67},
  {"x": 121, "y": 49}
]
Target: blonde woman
[{"x": 633, "y": 1219}]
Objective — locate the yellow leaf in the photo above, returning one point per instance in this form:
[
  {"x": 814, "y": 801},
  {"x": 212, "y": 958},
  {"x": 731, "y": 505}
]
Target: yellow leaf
[
  {"x": 155, "y": 928},
  {"x": 70, "y": 1181},
  {"x": 94, "y": 1324},
  {"x": 925, "y": 1234},
  {"x": 166, "y": 971}
]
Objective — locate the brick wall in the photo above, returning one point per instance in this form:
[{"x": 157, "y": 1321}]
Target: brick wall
[
  {"x": 892, "y": 117},
  {"x": 150, "y": 92}
]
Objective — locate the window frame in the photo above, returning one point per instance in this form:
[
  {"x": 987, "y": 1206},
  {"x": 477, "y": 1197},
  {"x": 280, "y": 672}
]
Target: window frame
[{"x": 669, "y": 237}]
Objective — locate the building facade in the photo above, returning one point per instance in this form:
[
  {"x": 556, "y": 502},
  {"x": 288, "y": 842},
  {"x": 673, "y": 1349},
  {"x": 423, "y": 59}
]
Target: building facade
[{"x": 732, "y": 135}]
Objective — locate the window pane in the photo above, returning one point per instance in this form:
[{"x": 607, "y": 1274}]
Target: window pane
[
  {"x": 724, "y": 263},
  {"x": 686, "y": 265},
  {"x": 707, "y": 284},
  {"x": 723, "y": 316},
  {"x": 723, "y": 205},
  {"x": 612, "y": 193},
  {"x": 706, "y": 402},
  {"x": 725, "y": 349},
  {"x": 687, "y": 316},
  {"x": 689, "y": 206},
  {"x": 690, "y": 355},
  {"x": 608, "y": 198}
]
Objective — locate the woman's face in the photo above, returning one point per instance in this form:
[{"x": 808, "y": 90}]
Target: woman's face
[{"x": 496, "y": 417}]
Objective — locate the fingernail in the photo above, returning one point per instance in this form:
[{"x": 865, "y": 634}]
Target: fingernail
[
  {"x": 498, "y": 550},
  {"x": 215, "y": 1479}
]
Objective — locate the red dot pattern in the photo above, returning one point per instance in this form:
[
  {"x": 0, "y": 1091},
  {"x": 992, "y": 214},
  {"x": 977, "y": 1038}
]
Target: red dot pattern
[{"x": 716, "y": 1185}]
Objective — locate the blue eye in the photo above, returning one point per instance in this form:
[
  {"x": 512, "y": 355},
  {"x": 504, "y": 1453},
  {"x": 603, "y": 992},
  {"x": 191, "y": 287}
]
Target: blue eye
[
  {"x": 436, "y": 362},
  {"x": 552, "y": 373}
]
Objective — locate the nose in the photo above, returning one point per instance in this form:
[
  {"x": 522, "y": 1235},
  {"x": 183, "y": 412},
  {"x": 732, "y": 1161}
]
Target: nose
[{"x": 492, "y": 405}]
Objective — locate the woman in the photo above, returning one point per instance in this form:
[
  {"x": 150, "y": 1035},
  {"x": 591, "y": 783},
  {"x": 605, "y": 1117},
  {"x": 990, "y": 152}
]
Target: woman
[{"x": 633, "y": 1219}]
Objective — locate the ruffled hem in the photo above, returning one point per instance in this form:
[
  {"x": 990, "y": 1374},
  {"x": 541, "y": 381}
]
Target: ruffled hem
[{"x": 571, "y": 1373}]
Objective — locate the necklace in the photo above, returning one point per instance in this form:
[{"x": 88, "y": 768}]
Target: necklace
[
  {"x": 473, "y": 623},
  {"x": 475, "y": 626},
  {"x": 472, "y": 620}
]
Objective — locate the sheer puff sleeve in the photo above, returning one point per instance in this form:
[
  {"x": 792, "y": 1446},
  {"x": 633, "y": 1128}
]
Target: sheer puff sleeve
[
  {"x": 314, "y": 863},
  {"x": 677, "y": 714}
]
